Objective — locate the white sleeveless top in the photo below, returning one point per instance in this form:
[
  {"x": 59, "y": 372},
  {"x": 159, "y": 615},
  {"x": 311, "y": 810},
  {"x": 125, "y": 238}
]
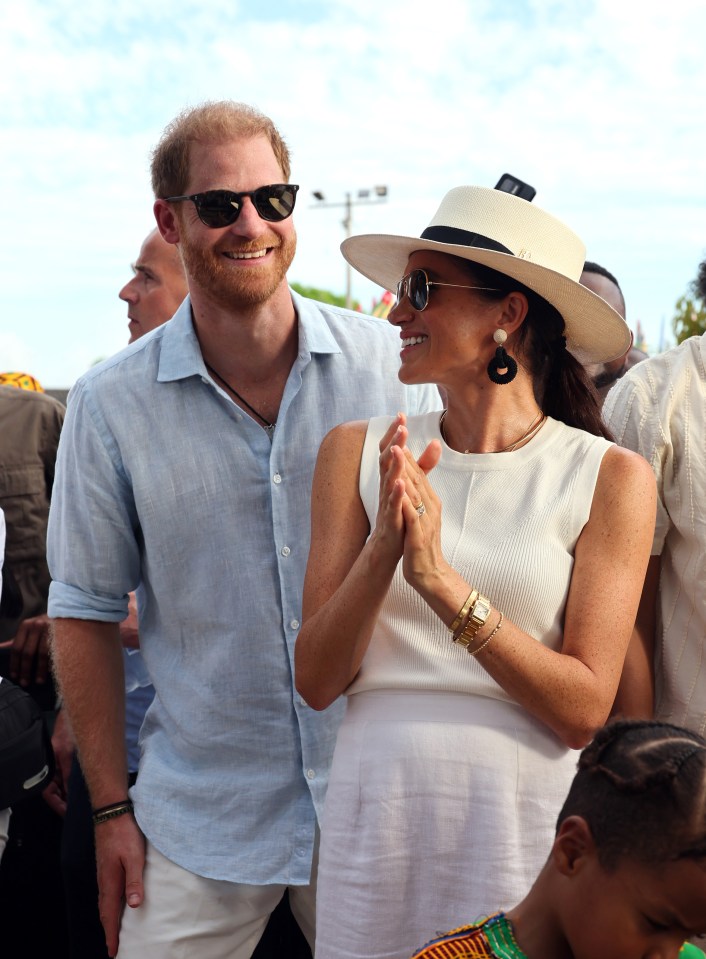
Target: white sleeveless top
[{"x": 510, "y": 522}]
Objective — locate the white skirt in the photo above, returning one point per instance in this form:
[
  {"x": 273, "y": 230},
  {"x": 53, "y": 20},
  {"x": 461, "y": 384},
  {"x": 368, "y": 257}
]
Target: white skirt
[{"x": 441, "y": 808}]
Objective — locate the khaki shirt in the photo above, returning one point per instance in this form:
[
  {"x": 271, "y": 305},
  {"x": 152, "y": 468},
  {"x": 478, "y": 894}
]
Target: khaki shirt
[{"x": 30, "y": 424}]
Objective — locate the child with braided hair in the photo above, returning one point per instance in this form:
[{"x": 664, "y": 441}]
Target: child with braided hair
[{"x": 626, "y": 876}]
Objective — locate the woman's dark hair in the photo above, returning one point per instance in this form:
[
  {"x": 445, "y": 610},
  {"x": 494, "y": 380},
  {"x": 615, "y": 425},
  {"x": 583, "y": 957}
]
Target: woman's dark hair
[
  {"x": 641, "y": 787},
  {"x": 563, "y": 388}
]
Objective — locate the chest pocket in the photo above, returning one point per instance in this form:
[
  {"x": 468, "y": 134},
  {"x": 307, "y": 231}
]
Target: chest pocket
[{"x": 24, "y": 500}]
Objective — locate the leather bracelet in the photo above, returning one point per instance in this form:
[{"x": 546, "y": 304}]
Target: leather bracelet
[{"x": 105, "y": 813}]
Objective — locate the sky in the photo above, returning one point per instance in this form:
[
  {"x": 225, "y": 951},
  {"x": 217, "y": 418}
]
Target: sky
[{"x": 598, "y": 104}]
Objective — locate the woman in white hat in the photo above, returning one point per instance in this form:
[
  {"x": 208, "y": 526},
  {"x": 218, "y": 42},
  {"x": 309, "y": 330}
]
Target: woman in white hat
[{"x": 473, "y": 579}]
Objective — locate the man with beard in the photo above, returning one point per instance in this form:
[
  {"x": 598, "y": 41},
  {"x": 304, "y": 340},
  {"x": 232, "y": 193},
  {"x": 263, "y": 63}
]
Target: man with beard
[{"x": 186, "y": 464}]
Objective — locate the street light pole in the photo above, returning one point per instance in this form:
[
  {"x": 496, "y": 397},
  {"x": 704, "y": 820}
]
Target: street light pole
[{"x": 363, "y": 198}]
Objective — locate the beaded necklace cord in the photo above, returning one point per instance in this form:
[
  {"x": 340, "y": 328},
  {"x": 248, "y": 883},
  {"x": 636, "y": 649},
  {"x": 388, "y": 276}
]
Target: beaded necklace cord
[{"x": 269, "y": 427}]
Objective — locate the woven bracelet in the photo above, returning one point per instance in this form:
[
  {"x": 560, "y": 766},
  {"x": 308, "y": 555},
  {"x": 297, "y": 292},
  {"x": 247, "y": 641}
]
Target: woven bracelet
[{"x": 112, "y": 811}]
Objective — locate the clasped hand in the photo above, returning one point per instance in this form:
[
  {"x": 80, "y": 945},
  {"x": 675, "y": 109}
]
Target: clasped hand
[{"x": 408, "y": 523}]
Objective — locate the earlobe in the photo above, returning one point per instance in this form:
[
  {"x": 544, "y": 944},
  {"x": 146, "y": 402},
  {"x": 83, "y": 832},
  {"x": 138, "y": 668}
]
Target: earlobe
[
  {"x": 167, "y": 223},
  {"x": 573, "y": 847}
]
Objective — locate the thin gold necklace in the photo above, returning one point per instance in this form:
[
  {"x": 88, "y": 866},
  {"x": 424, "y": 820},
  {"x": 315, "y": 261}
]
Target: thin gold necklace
[{"x": 531, "y": 431}]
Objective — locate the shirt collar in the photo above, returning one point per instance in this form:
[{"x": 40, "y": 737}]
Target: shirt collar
[
  {"x": 180, "y": 356},
  {"x": 315, "y": 335}
]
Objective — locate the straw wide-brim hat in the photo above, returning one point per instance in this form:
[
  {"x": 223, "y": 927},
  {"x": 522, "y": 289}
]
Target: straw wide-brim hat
[{"x": 516, "y": 238}]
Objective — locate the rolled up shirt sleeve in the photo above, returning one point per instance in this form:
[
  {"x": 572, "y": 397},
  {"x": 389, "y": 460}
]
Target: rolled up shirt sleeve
[{"x": 92, "y": 542}]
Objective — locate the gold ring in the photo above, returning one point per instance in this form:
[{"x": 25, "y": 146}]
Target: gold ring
[{"x": 421, "y": 509}]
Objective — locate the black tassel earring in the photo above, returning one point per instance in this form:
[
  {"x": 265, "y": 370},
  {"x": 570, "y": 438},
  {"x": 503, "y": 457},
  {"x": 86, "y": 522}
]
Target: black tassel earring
[{"x": 502, "y": 361}]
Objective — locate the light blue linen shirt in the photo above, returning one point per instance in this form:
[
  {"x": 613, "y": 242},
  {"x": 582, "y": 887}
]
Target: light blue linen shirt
[{"x": 162, "y": 480}]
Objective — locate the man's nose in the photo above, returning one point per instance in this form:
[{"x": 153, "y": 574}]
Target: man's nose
[{"x": 129, "y": 292}]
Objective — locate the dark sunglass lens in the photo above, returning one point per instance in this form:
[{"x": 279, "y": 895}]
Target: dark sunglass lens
[
  {"x": 275, "y": 203},
  {"x": 218, "y": 208},
  {"x": 418, "y": 290}
]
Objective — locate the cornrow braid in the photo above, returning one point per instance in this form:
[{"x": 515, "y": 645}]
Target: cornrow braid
[{"x": 642, "y": 779}]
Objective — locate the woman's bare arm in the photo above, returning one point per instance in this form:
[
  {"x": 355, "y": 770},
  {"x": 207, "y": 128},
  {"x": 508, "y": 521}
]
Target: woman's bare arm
[{"x": 571, "y": 690}]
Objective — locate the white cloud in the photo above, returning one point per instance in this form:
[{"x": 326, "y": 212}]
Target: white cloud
[{"x": 597, "y": 109}]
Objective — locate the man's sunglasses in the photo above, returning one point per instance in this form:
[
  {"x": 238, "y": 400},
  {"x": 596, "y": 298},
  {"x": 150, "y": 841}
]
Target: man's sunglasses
[
  {"x": 416, "y": 285},
  {"x": 218, "y": 208}
]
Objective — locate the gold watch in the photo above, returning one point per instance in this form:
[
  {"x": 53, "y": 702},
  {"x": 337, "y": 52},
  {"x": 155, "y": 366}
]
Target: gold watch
[{"x": 477, "y": 619}]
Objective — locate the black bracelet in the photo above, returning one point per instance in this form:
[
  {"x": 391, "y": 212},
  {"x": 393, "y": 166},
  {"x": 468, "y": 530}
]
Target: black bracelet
[{"x": 112, "y": 811}]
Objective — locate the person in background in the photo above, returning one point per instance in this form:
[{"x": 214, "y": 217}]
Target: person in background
[
  {"x": 30, "y": 872},
  {"x": 153, "y": 295},
  {"x": 4, "y": 813},
  {"x": 604, "y": 375},
  {"x": 605, "y": 892},
  {"x": 659, "y": 410},
  {"x": 473, "y": 577},
  {"x": 185, "y": 466},
  {"x": 157, "y": 288}
]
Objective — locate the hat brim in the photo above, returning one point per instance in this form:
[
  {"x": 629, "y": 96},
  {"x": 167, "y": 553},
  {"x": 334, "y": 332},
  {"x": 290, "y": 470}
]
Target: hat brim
[{"x": 595, "y": 332}]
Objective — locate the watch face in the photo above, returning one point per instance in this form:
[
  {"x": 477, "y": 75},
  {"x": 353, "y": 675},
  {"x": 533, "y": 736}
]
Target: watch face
[{"x": 481, "y": 611}]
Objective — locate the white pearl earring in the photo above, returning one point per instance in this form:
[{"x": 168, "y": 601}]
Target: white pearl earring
[{"x": 500, "y": 336}]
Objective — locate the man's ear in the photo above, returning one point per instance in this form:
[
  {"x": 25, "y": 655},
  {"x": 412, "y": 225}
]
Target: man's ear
[
  {"x": 573, "y": 847},
  {"x": 167, "y": 221}
]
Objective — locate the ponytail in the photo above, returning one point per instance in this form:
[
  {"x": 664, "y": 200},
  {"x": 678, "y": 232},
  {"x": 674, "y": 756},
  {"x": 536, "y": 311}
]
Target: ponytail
[{"x": 562, "y": 385}]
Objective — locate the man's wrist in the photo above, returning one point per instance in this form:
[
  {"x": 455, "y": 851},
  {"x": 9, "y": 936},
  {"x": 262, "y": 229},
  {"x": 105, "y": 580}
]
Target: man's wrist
[{"x": 112, "y": 811}]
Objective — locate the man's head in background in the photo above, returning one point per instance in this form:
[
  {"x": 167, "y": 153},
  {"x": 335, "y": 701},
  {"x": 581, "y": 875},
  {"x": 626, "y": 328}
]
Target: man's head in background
[
  {"x": 601, "y": 282},
  {"x": 157, "y": 288}
]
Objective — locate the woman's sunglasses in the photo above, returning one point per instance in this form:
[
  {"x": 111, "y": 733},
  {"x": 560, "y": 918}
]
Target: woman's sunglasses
[
  {"x": 416, "y": 285},
  {"x": 218, "y": 208}
]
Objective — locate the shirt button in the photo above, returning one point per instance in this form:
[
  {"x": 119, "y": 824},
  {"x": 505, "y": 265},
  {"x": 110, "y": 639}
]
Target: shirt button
[
  {"x": 277, "y": 479},
  {"x": 310, "y": 774},
  {"x": 285, "y": 551},
  {"x": 294, "y": 624}
]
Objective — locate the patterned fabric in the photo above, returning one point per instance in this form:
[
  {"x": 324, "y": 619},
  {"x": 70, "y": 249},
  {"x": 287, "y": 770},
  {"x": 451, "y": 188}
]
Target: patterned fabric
[
  {"x": 490, "y": 938},
  {"x": 22, "y": 381}
]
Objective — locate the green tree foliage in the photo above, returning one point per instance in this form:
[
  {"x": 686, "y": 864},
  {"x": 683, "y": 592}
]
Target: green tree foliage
[
  {"x": 690, "y": 317},
  {"x": 323, "y": 296}
]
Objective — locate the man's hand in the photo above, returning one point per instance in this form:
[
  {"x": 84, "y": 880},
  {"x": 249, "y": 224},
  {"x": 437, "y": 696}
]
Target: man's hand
[
  {"x": 120, "y": 858},
  {"x": 62, "y": 740},
  {"x": 29, "y": 660}
]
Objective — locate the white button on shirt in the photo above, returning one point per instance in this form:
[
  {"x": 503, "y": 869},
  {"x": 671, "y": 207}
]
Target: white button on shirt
[{"x": 160, "y": 480}]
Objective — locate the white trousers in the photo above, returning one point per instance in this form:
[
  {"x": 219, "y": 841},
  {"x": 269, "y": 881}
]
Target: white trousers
[{"x": 184, "y": 915}]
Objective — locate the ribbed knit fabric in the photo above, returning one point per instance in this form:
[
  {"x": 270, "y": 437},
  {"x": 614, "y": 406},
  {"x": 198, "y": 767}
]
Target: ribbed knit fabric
[
  {"x": 510, "y": 522},
  {"x": 443, "y": 794},
  {"x": 659, "y": 410}
]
